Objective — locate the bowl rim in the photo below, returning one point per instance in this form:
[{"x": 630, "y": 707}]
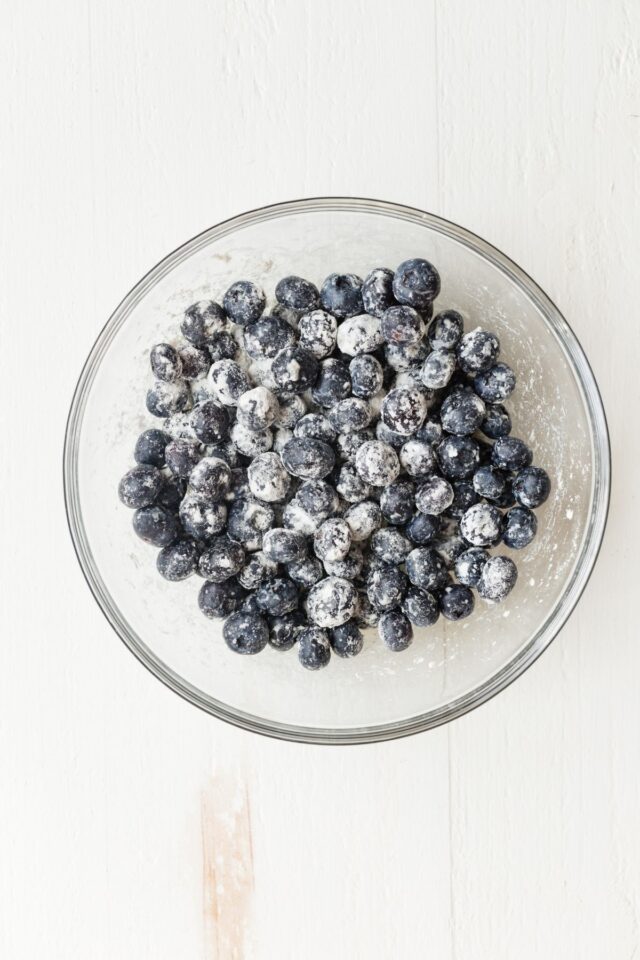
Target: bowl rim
[{"x": 525, "y": 656}]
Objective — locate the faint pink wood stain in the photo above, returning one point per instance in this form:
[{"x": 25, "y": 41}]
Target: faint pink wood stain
[{"x": 227, "y": 867}]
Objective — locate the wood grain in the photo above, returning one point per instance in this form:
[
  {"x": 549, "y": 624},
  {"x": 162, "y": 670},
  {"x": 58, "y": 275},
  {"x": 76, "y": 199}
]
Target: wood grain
[{"x": 129, "y": 127}]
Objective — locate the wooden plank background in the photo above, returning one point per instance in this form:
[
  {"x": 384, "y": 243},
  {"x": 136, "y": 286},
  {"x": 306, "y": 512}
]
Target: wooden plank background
[{"x": 132, "y": 825}]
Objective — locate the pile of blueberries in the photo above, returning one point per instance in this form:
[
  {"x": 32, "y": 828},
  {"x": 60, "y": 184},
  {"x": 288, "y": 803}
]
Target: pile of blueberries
[{"x": 331, "y": 464}]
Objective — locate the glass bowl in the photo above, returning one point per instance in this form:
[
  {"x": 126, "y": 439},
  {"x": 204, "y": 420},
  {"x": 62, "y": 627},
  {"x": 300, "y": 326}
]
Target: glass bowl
[{"x": 450, "y": 667}]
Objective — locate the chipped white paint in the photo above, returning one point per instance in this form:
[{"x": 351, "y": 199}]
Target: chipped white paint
[{"x": 126, "y": 816}]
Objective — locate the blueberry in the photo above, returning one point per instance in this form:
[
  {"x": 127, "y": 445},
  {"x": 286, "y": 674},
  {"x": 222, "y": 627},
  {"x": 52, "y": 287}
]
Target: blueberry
[
  {"x": 348, "y": 444},
  {"x": 307, "y": 458},
  {"x": 277, "y": 596},
  {"x": 150, "y": 447},
  {"x": 404, "y": 356},
  {"x": 315, "y": 425},
  {"x": 291, "y": 409},
  {"x": 397, "y": 500},
  {"x": 458, "y": 457},
  {"x": 245, "y": 633},
  {"x": 377, "y": 291},
  {"x": 520, "y": 527},
  {"x": 430, "y": 432},
  {"x": 489, "y": 482},
  {"x": 172, "y": 491},
  {"x": 332, "y": 384},
  {"x": 140, "y": 486},
  {"x": 266, "y": 336},
  {"x": 221, "y": 559},
  {"x": 165, "y": 362},
  {"x": 531, "y": 486},
  {"x": 284, "y": 546},
  {"x": 201, "y": 518},
  {"x": 478, "y": 351},
  {"x": 386, "y": 586},
  {"x": 165, "y": 399},
  {"x": 377, "y": 463},
  {"x": 244, "y": 302},
  {"x": 284, "y": 630},
  {"x": 434, "y": 495},
  {"x": 332, "y": 602},
  {"x": 464, "y": 496},
  {"x": 295, "y": 517},
  {"x": 195, "y": 362},
  {"x": 268, "y": 479},
  {"x": 178, "y": 560},
  {"x": 257, "y": 568},
  {"x": 422, "y": 528},
  {"x": 481, "y": 525},
  {"x": 367, "y": 615},
  {"x": 366, "y": 376},
  {"x": 462, "y": 413},
  {"x": 294, "y": 369},
  {"x": 250, "y": 442},
  {"x": 257, "y": 409},
  {"x": 341, "y": 295},
  {"x": 403, "y": 410},
  {"x": 497, "y": 422},
  {"x": 350, "y": 415},
  {"x": 182, "y": 456},
  {"x": 210, "y": 422},
  {"x": 437, "y": 369},
  {"x": 386, "y": 435},
  {"x": 498, "y": 579},
  {"x": 223, "y": 346},
  {"x": 319, "y": 498},
  {"x": 395, "y": 630},
  {"x": 426, "y": 569},
  {"x": 203, "y": 321},
  {"x": 305, "y": 572},
  {"x": 420, "y": 607},
  {"x": 456, "y": 601},
  {"x": 318, "y": 332},
  {"x": 361, "y": 334},
  {"x": 469, "y": 566},
  {"x": 417, "y": 458},
  {"x": 402, "y": 324},
  {"x": 314, "y": 650},
  {"x": 180, "y": 427},
  {"x": 445, "y": 330},
  {"x": 247, "y": 522},
  {"x": 346, "y": 639},
  {"x": 349, "y": 568},
  {"x": 390, "y": 545},
  {"x": 297, "y": 293},
  {"x": 509, "y": 453},
  {"x": 506, "y": 498},
  {"x": 416, "y": 283},
  {"x": 496, "y": 383},
  {"x": 228, "y": 381},
  {"x": 211, "y": 478},
  {"x": 219, "y": 600},
  {"x": 363, "y": 519},
  {"x": 251, "y": 606},
  {"x": 332, "y": 540},
  {"x": 156, "y": 525}
]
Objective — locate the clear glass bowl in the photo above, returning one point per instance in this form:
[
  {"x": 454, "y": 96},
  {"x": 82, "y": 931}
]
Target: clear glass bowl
[{"x": 450, "y": 667}]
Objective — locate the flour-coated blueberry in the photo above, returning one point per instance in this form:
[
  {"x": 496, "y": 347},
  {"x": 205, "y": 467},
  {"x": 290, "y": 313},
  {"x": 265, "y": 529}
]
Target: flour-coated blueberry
[
  {"x": 420, "y": 607},
  {"x": 202, "y": 321},
  {"x": 417, "y": 283},
  {"x": 165, "y": 362},
  {"x": 395, "y": 630},
  {"x": 350, "y": 415},
  {"x": 285, "y": 630},
  {"x": 520, "y": 527},
  {"x": 531, "y": 486},
  {"x": 333, "y": 383},
  {"x": 156, "y": 525},
  {"x": 297, "y": 293},
  {"x": 195, "y": 362},
  {"x": 377, "y": 291},
  {"x": 359, "y": 334},
  {"x": 257, "y": 409},
  {"x": 221, "y": 559},
  {"x": 477, "y": 351},
  {"x": 201, "y": 518},
  {"x": 245, "y": 633},
  {"x": 489, "y": 482},
  {"x": 219, "y": 600},
  {"x": 227, "y": 382},
  {"x": 283, "y": 545},
  {"x": 211, "y": 478},
  {"x": 498, "y": 578},
  {"x": 434, "y": 495},
  {"x": 495, "y": 384},
  {"x": 462, "y": 413},
  {"x": 265, "y": 337},
  {"x": 341, "y": 295},
  {"x": 402, "y": 324},
  {"x": 456, "y": 602},
  {"x": 256, "y": 569},
  {"x": 244, "y": 302},
  {"x": 318, "y": 332},
  {"x": 247, "y": 522},
  {"x": 397, "y": 501},
  {"x": 482, "y": 525},
  {"x": 346, "y": 640},
  {"x": 422, "y": 528},
  {"x": 277, "y": 596},
  {"x": 445, "y": 330},
  {"x": 497, "y": 422},
  {"x": 314, "y": 649},
  {"x": 391, "y": 545},
  {"x": 165, "y": 399},
  {"x": 332, "y": 602},
  {"x": 469, "y": 566},
  {"x": 178, "y": 560},
  {"x": 458, "y": 457},
  {"x": 150, "y": 447},
  {"x": 386, "y": 587},
  {"x": 140, "y": 486},
  {"x": 403, "y": 410},
  {"x": 295, "y": 370},
  {"x": 210, "y": 422},
  {"x": 510, "y": 453}
]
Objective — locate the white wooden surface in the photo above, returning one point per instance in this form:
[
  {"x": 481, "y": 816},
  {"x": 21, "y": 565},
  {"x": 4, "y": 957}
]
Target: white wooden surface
[{"x": 133, "y": 826}]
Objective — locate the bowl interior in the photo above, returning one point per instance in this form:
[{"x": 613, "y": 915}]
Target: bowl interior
[{"x": 449, "y": 666}]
